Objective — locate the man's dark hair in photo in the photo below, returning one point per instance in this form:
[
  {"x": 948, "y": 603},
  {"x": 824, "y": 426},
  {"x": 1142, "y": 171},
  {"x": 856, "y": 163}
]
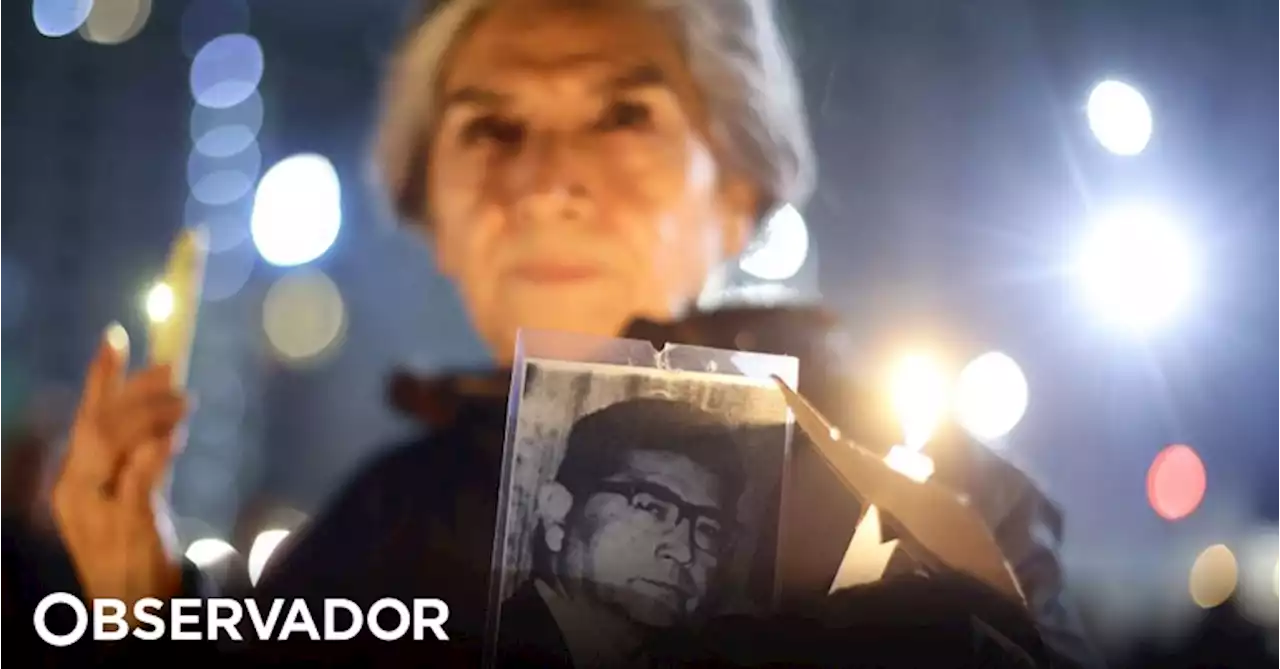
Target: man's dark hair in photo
[{"x": 600, "y": 442}]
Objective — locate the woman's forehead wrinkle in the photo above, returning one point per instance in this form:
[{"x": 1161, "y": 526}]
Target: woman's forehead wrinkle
[
  {"x": 606, "y": 42},
  {"x": 565, "y": 93},
  {"x": 587, "y": 56},
  {"x": 487, "y": 84}
]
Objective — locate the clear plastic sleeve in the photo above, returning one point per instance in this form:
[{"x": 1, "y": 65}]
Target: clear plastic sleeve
[{"x": 636, "y": 484}]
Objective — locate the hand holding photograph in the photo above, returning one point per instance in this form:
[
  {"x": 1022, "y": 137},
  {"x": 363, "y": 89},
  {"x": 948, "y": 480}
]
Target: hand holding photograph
[{"x": 638, "y": 500}]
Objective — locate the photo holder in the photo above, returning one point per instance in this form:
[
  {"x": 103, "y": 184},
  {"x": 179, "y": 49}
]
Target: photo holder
[{"x": 594, "y": 372}]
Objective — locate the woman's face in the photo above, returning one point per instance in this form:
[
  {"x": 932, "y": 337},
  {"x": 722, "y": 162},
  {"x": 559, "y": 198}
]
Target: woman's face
[{"x": 570, "y": 184}]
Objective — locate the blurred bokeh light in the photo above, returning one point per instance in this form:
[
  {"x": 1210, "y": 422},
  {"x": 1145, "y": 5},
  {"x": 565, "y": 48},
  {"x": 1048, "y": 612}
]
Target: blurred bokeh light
[
  {"x": 223, "y": 180},
  {"x": 780, "y": 250},
  {"x": 1259, "y": 557},
  {"x": 1136, "y": 268},
  {"x": 224, "y": 132},
  {"x": 303, "y": 316},
  {"x": 226, "y": 71},
  {"x": 225, "y": 160},
  {"x": 228, "y": 271},
  {"x": 58, "y": 18},
  {"x": 1119, "y": 118},
  {"x": 1214, "y": 577},
  {"x": 222, "y": 408},
  {"x": 297, "y": 210},
  {"x": 264, "y": 545},
  {"x": 1176, "y": 482},
  {"x": 227, "y": 224},
  {"x": 159, "y": 302},
  {"x": 205, "y": 553},
  {"x": 920, "y": 393},
  {"x": 115, "y": 21},
  {"x": 991, "y": 396}
]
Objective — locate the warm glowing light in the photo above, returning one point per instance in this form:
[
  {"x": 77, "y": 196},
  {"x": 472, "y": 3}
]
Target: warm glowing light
[
  {"x": 160, "y": 302},
  {"x": 920, "y": 394},
  {"x": 115, "y": 21},
  {"x": 1214, "y": 577},
  {"x": 910, "y": 462},
  {"x": 304, "y": 316}
]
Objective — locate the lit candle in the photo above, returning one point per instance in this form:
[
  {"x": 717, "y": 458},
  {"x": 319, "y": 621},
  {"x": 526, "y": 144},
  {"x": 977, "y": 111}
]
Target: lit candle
[{"x": 173, "y": 304}]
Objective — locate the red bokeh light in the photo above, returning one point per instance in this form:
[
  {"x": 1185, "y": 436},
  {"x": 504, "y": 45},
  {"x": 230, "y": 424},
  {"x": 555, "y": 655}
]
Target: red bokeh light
[{"x": 1176, "y": 482}]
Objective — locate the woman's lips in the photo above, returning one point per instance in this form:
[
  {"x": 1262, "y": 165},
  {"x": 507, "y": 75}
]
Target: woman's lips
[{"x": 555, "y": 273}]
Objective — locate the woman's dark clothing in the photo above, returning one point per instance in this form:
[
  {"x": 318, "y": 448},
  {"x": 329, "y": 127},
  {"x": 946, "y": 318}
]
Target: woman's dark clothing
[
  {"x": 418, "y": 521},
  {"x": 531, "y": 632}
]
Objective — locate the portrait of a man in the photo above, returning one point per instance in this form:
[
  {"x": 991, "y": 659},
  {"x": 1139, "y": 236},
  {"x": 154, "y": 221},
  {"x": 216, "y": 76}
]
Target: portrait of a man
[{"x": 638, "y": 529}]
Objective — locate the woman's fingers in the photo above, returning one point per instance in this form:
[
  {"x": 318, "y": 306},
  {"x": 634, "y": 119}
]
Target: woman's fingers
[
  {"x": 142, "y": 473},
  {"x": 153, "y": 418},
  {"x": 87, "y": 458},
  {"x": 151, "y": 381},
  {"x": 106, "y": 373},
  {"x": 120, "y": 448},
  {"x": 147, "y": 408},
  {"x": 147, "y": 399},
  {"x": 123, "y": 416}
]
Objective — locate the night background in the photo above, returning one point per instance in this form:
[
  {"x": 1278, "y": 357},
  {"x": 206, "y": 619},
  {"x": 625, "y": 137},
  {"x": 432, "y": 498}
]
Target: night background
[{"x": 960, "y": 177}]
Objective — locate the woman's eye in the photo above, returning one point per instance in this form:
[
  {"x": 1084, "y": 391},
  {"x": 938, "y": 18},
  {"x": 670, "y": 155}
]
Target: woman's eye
[
  {"x": 493, "y": 129},
  {"x": 625, "y": 116}
]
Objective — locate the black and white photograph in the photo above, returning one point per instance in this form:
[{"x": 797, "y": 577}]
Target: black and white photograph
[{"x": 638, "y": 502}]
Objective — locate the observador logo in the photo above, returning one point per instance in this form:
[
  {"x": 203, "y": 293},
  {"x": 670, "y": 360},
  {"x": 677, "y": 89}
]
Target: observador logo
[{"x": 216, "y": 619}]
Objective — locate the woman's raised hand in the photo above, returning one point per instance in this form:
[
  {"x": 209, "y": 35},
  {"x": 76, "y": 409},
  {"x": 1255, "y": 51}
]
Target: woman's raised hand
[{"x": 105, "y": 500}]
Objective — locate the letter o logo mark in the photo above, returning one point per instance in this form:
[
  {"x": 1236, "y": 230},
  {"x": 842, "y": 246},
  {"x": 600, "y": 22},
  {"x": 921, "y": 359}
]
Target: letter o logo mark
[
  {"x": 395, "y": 605},
  {"x": 61, "y": 640}
]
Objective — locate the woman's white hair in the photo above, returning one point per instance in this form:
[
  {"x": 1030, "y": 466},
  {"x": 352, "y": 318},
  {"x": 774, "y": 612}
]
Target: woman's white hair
[{"x": 733, "y": 48}]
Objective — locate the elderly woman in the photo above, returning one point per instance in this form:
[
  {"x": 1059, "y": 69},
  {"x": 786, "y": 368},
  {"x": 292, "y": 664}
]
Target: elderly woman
[{"x": 576, "y": 165}]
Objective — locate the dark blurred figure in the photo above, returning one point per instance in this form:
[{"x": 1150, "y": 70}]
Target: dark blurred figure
[
  {"x": 1224, "y": 638},
  {"x": 27, "y": 455},
  {"x": 30, "y": 543},
  {"x": 909, "y": 622}
]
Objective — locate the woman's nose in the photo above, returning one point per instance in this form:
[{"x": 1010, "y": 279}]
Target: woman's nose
[{"x": 546, "y": 180}]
